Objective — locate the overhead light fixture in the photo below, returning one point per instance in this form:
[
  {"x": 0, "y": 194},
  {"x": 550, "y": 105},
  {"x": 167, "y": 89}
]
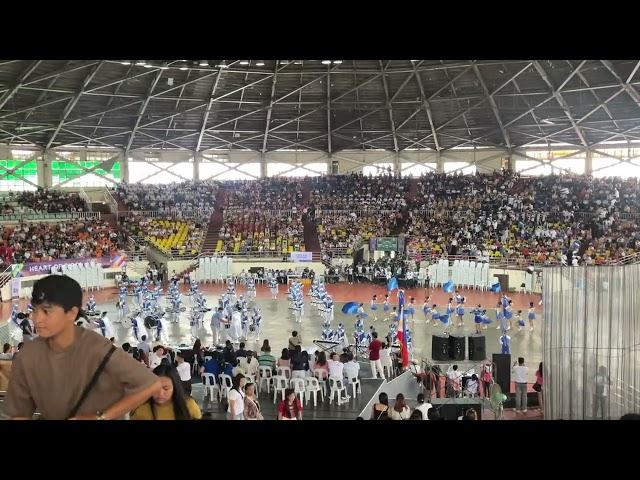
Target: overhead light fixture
[
  {"x": 244, "y": 62},
  {"x": 141, "y": 63},
  {"x": 125, "y": 62},
  {"x": 184, "y": 68},
  {"x": 337, "y": 62},
  {"x": 203, "y": 63},
  {"x": 284, "y": 62},
  {"x": 222, "y": 64},
  {"x": 164, "y": 66},
  {"x": 147, "y": 65},
  {"x": 260, "y": 63},
  {"x": 326, "y": 62},
  {"x": 546, "y": 120},
  {"x": 298, "y": 62}
]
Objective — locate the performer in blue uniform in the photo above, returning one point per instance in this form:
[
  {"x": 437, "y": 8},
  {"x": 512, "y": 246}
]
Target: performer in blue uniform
[
  {"x": 531, "y": 315},
  {"x": 374, "y": 307}
]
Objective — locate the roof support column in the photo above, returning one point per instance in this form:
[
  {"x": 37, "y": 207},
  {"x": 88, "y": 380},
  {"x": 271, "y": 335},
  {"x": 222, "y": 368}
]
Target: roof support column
[
  {"x": 45, "y": 178},
  {"x": 396, "y": 164},
  {"x": 196, "y": 166},
  {"x": 439, "y": 162},
  {"x": 588, "y": 162},
  {"x": 263, "y": 165},
  {"x": 124, "y": 167}
]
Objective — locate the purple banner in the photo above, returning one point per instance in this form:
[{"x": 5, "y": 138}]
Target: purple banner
[{"x": 43, "y": 268}]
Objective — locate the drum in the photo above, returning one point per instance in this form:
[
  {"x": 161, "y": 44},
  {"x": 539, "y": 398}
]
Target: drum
[{"x": 150, "y": 321}]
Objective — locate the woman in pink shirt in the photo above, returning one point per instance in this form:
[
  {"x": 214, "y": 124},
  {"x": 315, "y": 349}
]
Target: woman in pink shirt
[
  {"x": 284, "y": 360},
  {"x": 540, "y": 382}
]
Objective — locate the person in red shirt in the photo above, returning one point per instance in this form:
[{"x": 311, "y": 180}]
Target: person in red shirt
[
  {"x": 290, "y": 408},
  {"x": 374, "y": 356}
]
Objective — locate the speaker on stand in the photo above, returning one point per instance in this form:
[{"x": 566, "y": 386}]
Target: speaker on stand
[
  {"x": 477, "y": 348},
  {"x": 457, "y": 348},
  {"x": 502, "y": 373},
  {"x": 439, "y": 348}
]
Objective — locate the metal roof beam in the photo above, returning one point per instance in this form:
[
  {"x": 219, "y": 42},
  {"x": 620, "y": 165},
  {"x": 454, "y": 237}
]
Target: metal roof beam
[
  {"x": 388, "y": 105},
  {"x": 18, "y": 83},
  {"x": 72, "y": 103},
  {"x": 563, "y": 104},
  {"x": 141, "y": 110},
  {"x": 270, "y": 109},
  {"x": 632, "y": 92},
  {"x": 494, "y": 107}
]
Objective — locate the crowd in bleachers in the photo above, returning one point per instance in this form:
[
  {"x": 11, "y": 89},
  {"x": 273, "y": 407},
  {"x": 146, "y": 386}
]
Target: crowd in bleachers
[
  {"x": 531, "y": 219},
  {"x": 349, "y": 192},
  {"x": 267, "y": 193},
  {"x": 348, "y": 229},
  {"x": 185, "y": 197},
  {"x": 253, "y": 230},
  {"x": 176, "y": 236},
  {"x": 42, "y": 201},
  {"x": 33, "y": 242}
]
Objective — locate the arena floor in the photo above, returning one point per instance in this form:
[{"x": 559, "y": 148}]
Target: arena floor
[{"x": 278, "y": 323}]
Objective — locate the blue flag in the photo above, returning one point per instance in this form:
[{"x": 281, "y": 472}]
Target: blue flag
[
  {"x": 392, "y": 284},
  {"x": 350, "y": 307},
  {"x": 495, "y": 288},
  {"x": 448, "y": 287}
]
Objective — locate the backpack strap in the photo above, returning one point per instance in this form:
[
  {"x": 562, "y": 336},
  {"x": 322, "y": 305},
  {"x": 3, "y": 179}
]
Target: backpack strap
[{"x": 92, "y": 382}]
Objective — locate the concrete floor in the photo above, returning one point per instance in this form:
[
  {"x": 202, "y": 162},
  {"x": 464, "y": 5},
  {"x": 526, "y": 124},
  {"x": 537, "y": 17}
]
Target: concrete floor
[{"x": 278, "y": 322}]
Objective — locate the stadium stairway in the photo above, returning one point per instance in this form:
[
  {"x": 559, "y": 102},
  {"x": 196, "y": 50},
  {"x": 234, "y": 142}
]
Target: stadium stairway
[{"x": 215, "y": 223}]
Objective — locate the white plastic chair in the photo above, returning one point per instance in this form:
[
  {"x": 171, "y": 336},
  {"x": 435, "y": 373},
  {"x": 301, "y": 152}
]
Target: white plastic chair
[
  {"x": 337, "y": 386},
  {"x": 284, "y": 372},
  {"x": 312, "y": 386},
  {"x": 322, "y": 376},
  {"x": 280, "y": 384},
  {"x": 210, "y": 385},
  {"x": 266, "y": 374},
  {"x": 355, "y": 384},
  {"x": 225, "y": 385},
  {"x": 298, "y": 385}
]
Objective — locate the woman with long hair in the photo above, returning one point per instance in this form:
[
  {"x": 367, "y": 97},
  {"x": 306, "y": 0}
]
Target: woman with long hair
[
  {"x": 284, "y": 360},
  {"x": 197, "y": 351},
  {"x": 251, "y": 403},
  {"x": 235, "y": 410},
  {"x": 265, "y": 346},
  {"x": 290, "y": 408},
  {"x": 538, "y": 386},
  {"x": 381, "y": 408},
  {"x": 170, "y": 402},
  {"x": 400, "y": 410}
]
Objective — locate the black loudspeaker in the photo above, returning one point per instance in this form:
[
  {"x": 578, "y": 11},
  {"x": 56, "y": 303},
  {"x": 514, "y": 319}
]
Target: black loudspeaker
[
  {"x": 477, "y": 348},
  {"x": 452, "y": 408},
  {"x": 502, "y": 371},
  {"x": 440, "y": 348},
  {"x": 457, "y": 348}
]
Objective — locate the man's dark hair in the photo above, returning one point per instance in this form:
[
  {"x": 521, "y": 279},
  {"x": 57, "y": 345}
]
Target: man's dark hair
[
  {"x": 455, "y": 367},
  {"x": 520, "y": 360},
  {"x": 20, "y": 345},
  {"x": 59, "y": 290},
  {"x": 433, "y": 414},
  {"x": 144, "y": 338},
  {"x": 420, "y": 398},
  {"x": 6, "y": 347},
  {"x": 126, "y": 347},
  {"x": 242, "y": 345},
  {"x": 374, "y": 334},
  {"x": 294, "y": 334}
]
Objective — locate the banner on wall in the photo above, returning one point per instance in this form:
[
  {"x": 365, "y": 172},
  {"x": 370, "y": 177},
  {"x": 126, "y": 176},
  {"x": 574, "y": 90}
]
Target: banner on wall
[
  {"x": 301, "y": 256},
  {"x": 43, "y": 268},
  {"x": 15, "y": 288}
]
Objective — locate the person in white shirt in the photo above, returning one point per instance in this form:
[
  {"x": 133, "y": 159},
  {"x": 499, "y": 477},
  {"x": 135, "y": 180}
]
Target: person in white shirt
[
  {"x": 184, "y": 371},
  {"x": 601, "y": 398},
  {"x": 455, "y": 380},
  {"x": 249, "y": 364},
  {"x": 336, "y": 368},
  {"x": 423, "y": 407},
  {"x": 351, "y": 368},
  {"x": 144, "y": 345},
  {"x": 155, "y": 358},
  {"x": 521, "y": 377},
  {"x": 235, "y": 411}
]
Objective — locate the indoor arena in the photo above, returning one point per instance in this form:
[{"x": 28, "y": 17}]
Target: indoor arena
[{"x": 319, "y": 239}]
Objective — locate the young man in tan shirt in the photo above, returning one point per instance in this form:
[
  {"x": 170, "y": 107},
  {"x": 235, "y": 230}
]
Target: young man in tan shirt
[{"x": 53, "y": 373}]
